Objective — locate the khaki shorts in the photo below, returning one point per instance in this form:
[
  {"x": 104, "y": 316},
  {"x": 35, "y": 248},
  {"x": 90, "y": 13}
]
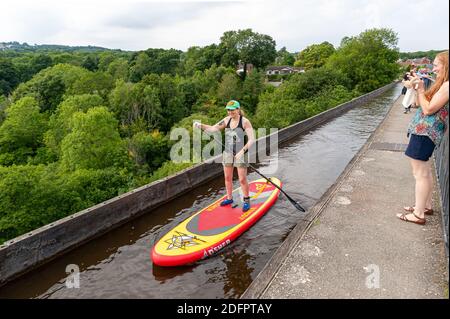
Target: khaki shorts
[{"x": 228, "y": 160}]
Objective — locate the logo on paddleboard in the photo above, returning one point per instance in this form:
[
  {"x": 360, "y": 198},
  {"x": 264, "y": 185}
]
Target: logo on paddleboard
[
  {"x": 211, "y": 251},
  {"x": 182, "y": 240}
]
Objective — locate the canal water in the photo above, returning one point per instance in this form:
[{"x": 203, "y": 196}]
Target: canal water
[{"x": 118, "y": 264}]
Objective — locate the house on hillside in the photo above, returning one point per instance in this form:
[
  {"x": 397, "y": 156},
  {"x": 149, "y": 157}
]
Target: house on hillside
[
  {"x": 283, "y": 69},
  {"x": 415, "y": 62}
]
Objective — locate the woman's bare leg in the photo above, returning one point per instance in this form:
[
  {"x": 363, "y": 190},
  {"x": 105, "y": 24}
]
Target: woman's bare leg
[{"x": 228, "y": 173}]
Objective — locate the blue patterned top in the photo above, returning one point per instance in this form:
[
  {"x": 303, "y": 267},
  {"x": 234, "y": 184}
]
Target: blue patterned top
[{"x": 433, "y": 125}]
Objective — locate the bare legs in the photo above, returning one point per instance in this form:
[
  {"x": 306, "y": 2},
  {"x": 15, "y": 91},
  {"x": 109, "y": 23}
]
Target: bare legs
[
  {"x": 424, "y": 185},
  {"x": 228, "y": 172},
  {"x": 423, "y": 189},
  {"x": 242, "y": 173}
]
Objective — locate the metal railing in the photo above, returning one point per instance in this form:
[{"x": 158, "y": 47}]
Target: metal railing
[{"x": 442, "y": 168}]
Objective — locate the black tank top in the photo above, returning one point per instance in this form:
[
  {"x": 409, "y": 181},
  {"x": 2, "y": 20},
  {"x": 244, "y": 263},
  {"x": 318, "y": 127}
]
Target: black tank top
[{"x": 235, "y": 138}]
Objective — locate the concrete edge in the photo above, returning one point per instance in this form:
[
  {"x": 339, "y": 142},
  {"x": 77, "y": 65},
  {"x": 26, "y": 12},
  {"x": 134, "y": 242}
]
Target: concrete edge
[
  {"x": 31, "y": 250},
  {"x": 260, "y": 284}
]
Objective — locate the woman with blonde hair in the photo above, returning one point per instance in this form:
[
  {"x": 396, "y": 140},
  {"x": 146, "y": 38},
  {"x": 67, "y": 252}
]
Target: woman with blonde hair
[
  {"x": 238, "y": 139},
  {"x": 426, "y": 131}
]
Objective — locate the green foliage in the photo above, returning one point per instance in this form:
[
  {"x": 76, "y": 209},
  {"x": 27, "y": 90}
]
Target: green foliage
[
  {"x": 33, "y": 196},
  {"x": 39, "y": 62},
  {"x": 92, "y": 83},
  {"x": 149, "y": 150},
  {"x": 302, "y": 96},
  {"x": 93, "y": 143},
  {"x": 59, "y": 124},
  {"x": 167, "y": 169},
  {"x": 275, "y": 113},
  {"x": 118, "y": 69},
  {"x": 172, "y": 106},
  {"x": 229, "y": 89},
  {"x": 307, "y": 85},
  {"x": 200, "y": 59},
  {"x": 137, "y": 106},
  {"x": 252, "y": 88},
  {"x": 419, "y": 54},
  {"x": 9, "y": 77},
  {"x": 3, "y": 105},
  {"x": 284, "y": 57},
  {"x": 369, "y": 59},
  {"x": 158, "y": 61},
  {"x": 247, "y": 47},
  {"x": 90, "y": 62},
  {"x": 49, "y": 85},
  {"x": 315, "y": 56},
  {"x": 327, "y": 99},
  {"x": 22, "y": 131}
]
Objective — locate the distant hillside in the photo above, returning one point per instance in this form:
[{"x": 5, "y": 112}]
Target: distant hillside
[
  {"x": 25, "y": 47},
  {"x": 419, "y": 54}
]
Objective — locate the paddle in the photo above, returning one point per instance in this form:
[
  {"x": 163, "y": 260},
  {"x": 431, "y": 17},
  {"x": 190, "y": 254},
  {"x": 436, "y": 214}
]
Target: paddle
[{"x": 293, "y": 202}]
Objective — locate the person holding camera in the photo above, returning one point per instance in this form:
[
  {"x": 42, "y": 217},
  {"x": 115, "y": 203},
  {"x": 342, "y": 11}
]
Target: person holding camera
[
  {"x": 426, "y": 131},
  {"x": 238, "y": 139},
  {"x": 410, "y": 95}
]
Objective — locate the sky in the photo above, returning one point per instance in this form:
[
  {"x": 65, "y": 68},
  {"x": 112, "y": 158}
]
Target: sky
[{"x": 133, "y": 25}]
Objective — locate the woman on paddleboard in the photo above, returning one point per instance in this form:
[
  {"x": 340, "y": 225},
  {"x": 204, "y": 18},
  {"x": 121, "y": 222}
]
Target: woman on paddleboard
[{"x": 238, "y": 139}]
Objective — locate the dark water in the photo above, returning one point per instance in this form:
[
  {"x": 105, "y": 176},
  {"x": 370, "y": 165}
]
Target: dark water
[{"x": 118, "y": 265}]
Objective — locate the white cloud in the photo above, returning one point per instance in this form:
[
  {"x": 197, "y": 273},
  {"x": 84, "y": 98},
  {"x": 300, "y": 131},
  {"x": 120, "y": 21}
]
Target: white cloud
[{"x": 137, "y": 25}]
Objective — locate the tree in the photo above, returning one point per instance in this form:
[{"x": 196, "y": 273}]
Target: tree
[
  {"x": 301, "y": 96},
  {"x": 315, "y": 56},
  {"x": 9, "y": 76},
  {"x": 158, "y": 61},
  {"x": 119, "y": 69},
  {"x": 137, "y": 106},
  {"x": 59, "y": 124},
  {"x": 90, "y": 62},
  {"x": 229, "y": 89},
  {"x": 284, "y": 57},
  {"x": 246, "y": 46},
  {"x": 140, "y": 67},
  {"x": 22, "y": 131},
  {"x": 200, "y": 59},
  {"x": 369, "y": 59},
  {"x": 172, "y": 107},
  {"x": 100, "y": 83},
  {"x": 36, "y": 195},
  {"x": 149, "y": 150},
  {"x": 49, "y": 85},
  {"x": 252, "y": 88},
  {"x": 93, "y": 143},
  {"x": 40, "y": 62}
]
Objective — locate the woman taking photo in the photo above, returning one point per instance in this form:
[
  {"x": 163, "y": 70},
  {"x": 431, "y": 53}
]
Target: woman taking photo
[
  {"x": 238, "y": 139},
  {"x": 426, "y": 131}
]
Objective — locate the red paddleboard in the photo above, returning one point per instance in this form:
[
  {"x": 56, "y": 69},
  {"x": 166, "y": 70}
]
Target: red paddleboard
[{"x": 214, "y": 227}]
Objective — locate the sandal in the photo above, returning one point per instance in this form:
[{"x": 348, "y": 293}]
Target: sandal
[
  {"x": 420, "y": 221},
  {"x": 428, "y": 211}
]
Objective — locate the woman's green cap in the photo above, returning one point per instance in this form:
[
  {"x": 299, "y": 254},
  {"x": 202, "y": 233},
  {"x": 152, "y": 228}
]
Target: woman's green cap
[{"x": 233, "y": 105}]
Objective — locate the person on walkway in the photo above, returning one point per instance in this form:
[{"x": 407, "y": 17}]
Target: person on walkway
[
  {"x": 426, "y": 130},
  {"x": 405, "y": 78},
  {"x": 410, "y": 95},
  {"x": 238, "y": 139}
]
